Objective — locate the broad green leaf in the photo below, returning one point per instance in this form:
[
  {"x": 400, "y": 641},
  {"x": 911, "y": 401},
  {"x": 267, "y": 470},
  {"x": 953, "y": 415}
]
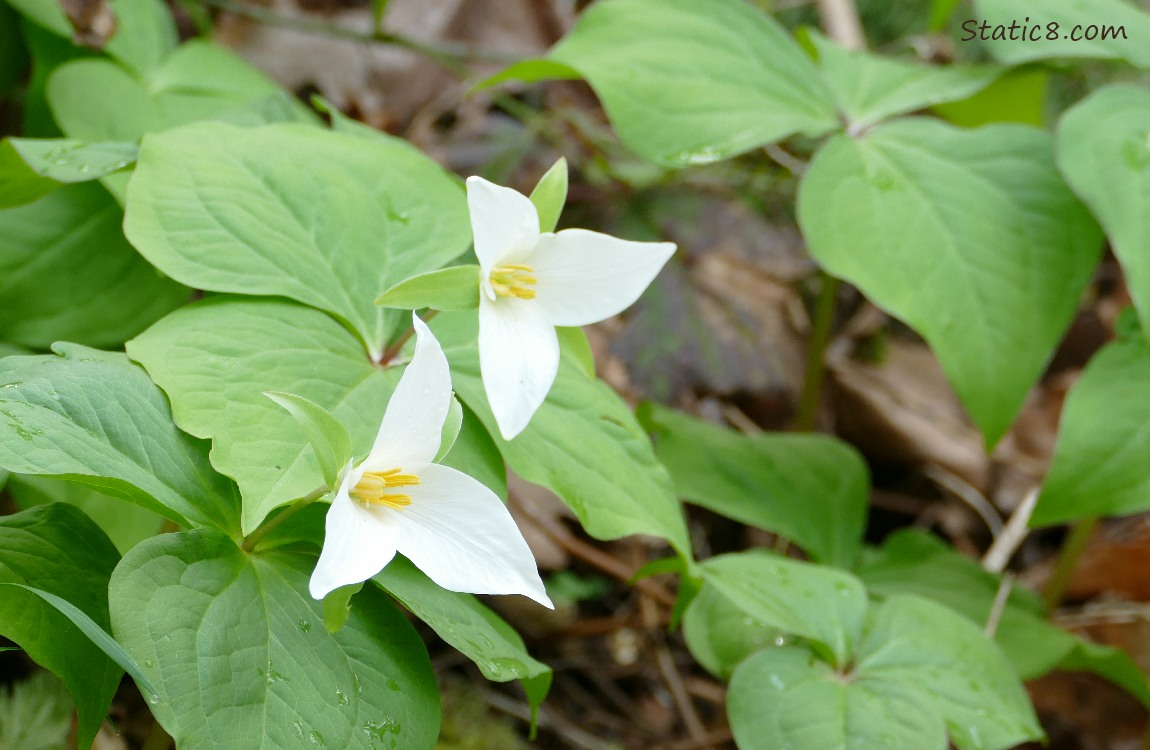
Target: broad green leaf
[
  {"x": 57, "y": 549},
  {"x": 583, "y": 444},
  {"x": 126, "y": 525},
  {"x": 452, "y": 288},
  {"x": 64, "y": 160},
  {"x": 785, "y": 698},
  {"x": 239, "y": 652},
  {"x": 328, "y": 438},
  {"x": 93, "y": 417},
  {"x": 869, "y": 88},
  {"x": 694, "y": 81},
  {"x": 475, "y": 453},
  {"x": 216, "y": 358},
  {"x": 811, "y": 489},
  {"x": 550, "y": 194},
  {"x": 67, "y": 273},
  {"x": 813, "y": 601},
  {"x": 466, "y": 624},
  {"x": 913, "y": 562},
  {"x": 46, "y": 14},
  {"x": 19, "y": 183},
  {"x": 1103, "y": 29},
  {"x": 1104, "y": 151},
  {"x": 333, "y": 226},
  {"x": 97, "y": 100},
  {"x": 968, "y": 236},
  {"x": 929, "y": 650},
  {"x": 573, "y": 340},
  {"x": 721, "y": 635},
  {"x": 1099, "y": 464}
]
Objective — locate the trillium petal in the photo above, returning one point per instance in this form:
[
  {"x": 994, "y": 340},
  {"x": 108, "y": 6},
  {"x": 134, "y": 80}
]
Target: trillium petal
[
  {"x": 504, "y": 223},
  {"x": 460, "y": 534},
  {"x": 413, "y": 422},
  {"x": 357, "y": 542},
  {"x": 584, "y": 277},
  {"x": 518, "y": 358}
]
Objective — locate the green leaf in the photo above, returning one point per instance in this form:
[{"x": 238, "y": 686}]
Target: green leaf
[
  {"x": 97, "y": 100},
  {"x": 453, "y": 288},
  {"x": 893, "y": 212},
  {"x": 688, "y": 82},
  {"x": 451, "y": 427},
  {"x": 1017, "y": 96},
  {"x": 57, "y": 549},
  {"x": 550, "y": 194},
  {"x": 811, "y": 489},
  {"x": 474, "y": 453},
  {"x": 870, "y": 88},
  {"x": 96, "y": 634},
  {"x": 19, "y": 183},
  {"x": 583, "y": 444},
  {"x": 1073, "y": 21},
  {"x": 531, "y": 71},
  {"x": 94, "y": 418},
  {"x": 337, "y": 607},
  {"x": 54, "y": 285},
  {"x": 784, "y": 697},
  {"x": 721, "y": 635},
  {"x": 812, "y": 601},
  {"x": 913, "y": 562},
  {"x": 1099, "y": 464},
  {"x": 125, "y": 525},
  {"x": 328, "y": 438},
  {"x": 64, "y": 160},
  {"x": 145, "y": 34},
  {"x": 464, "y": 623},
  {"x": 395, "y": 214},
  {"x": 1104, "y": 151},
  {"x": 44, "y": 13},
  {"x": 573, "y": 340},
  {"x": 927, "y": 649},
  {"x": 238, "y": 650},
  {"x": 216, "y": 358}
]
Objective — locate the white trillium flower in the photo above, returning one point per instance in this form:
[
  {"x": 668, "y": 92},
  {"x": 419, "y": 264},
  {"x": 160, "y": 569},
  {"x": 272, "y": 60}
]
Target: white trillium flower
[
  {"x": 532, "y": 281},
  {"x": 450, "y": 526}
]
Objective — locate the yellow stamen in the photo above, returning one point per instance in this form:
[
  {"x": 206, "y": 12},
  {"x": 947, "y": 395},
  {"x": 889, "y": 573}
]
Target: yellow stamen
[
  {"x": 372, "y": 488},
  {"x": 513, "y": 280}
]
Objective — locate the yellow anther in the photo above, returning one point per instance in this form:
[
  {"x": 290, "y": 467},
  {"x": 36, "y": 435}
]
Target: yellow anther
[
  {"x": 513, "y": 280},
  {"x": 372, "y": 488}
]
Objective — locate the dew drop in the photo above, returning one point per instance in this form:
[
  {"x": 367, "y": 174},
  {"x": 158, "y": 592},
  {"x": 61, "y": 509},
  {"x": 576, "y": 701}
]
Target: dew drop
[
  {"x": 154, "y": 699},
  {"x": 305, "y": 626},
  {"x": 341, "y": 698},
  {"x": 393, "y": 685},
  {"x": 316, "y": 738},
  {"x": 298, "y": 727},
  {"x": 149, "y": 663}
]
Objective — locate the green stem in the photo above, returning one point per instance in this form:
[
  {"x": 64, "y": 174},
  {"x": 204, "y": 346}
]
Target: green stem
[
  {"x": 390, "y": 352},
  {"x": 1072, "y": 548},
  {"x": 807, "y": 416},
  {"x": 254, "y": 538}
]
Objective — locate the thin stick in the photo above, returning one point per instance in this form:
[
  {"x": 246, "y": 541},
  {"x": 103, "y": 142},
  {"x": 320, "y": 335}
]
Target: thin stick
[
  {"x": 841, "y": 21},
  {"x": 968, "y": 494},
  {"x": 999, "y": 605},
  {"x": 1072, "y": 548},
  {"x": 1012, "y": 535},
  {"x": 574, "y": 735}
]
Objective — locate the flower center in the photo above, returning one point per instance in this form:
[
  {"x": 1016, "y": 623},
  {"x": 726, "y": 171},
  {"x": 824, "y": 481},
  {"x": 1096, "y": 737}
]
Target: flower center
[
  {"x": 372, "y": 488},
  {"x": 513, "y": 280}
]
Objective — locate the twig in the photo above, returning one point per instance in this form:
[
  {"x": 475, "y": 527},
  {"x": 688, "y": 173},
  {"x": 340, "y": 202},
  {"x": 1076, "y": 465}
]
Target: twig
[
  {"x": 598, "y": 558},
  {"x": 968, "y": 494},
  {"x": 841, "y": 20},
  {"x": 999, "y": 605},
  {"x": 785, "y": 159},
  {"x": 573, "y": 734},
  {"x": 1007, "y": 542}
]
